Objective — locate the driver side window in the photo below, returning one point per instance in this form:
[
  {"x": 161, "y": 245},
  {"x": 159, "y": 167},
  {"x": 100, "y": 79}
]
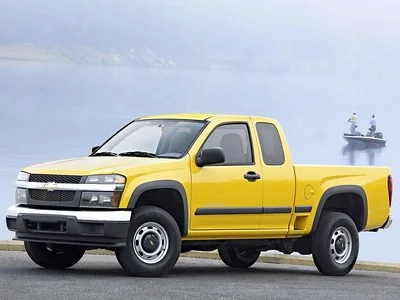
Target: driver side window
[{"x": 234, "y": 139}]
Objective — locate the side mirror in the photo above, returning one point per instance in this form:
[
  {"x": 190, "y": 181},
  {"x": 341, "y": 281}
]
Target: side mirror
[
  {"x": 210, "y": 156},
  {"x": 95, "y": 148}
]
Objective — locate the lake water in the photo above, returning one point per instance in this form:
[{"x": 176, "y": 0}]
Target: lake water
[{"x": 50, "y": 111}]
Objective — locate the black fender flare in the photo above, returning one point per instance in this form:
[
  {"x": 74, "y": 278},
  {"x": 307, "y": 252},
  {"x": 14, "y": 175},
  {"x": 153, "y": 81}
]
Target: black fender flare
[
  {"x": 342, "y": 189},
  {"x": 163, "y": 184}
]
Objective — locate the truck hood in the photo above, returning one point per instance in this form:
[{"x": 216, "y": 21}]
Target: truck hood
[{"x": 96, "y": 165}]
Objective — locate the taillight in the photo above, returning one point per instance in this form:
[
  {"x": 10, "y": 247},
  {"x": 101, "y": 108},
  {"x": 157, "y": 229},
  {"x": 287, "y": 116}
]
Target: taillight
[{"x": 390, "y": 189}]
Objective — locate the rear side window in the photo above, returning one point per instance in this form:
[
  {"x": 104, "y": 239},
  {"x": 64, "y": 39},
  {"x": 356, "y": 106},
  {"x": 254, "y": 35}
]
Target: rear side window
[{"x": 271, "y": 144}]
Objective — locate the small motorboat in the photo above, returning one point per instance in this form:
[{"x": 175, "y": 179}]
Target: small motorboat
[{"x": 369, "y": 139}]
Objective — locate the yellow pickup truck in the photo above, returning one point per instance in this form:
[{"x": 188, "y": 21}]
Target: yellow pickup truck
[{"x": 168, "y": 184}]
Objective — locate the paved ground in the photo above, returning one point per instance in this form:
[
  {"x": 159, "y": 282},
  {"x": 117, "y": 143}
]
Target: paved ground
[{"x": 101, "y": 277}]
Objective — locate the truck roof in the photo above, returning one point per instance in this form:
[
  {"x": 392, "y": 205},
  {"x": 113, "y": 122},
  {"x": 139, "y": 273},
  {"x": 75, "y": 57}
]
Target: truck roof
[{"x": 197, "y": 116}]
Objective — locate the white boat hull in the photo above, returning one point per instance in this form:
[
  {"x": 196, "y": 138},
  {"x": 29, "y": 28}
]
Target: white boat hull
[{"x": 364, "y": 140}]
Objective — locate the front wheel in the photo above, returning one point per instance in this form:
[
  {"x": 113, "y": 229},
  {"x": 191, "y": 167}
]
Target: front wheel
[
  {"x": 238, "y": 259},
  {"x": 335, "y": 244},
  {"x": 153, "y": 243},
  {"x": 54, "y": 256}
]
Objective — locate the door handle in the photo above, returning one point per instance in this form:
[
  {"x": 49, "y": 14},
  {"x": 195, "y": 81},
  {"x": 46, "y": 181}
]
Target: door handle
[{"x": 251, "y": 176}]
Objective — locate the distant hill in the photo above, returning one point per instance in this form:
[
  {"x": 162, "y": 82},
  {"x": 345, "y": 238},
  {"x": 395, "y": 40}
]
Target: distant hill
[{"x": 209, "y": 34}]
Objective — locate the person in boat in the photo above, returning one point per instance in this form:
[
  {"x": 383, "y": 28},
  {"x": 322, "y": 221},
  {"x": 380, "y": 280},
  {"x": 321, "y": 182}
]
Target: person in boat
[
  {"x": 353, "y": 121},
  {"x": 372, "y": 124}
]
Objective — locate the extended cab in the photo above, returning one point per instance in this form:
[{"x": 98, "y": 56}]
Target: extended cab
[{"x": 169, "y": 184}]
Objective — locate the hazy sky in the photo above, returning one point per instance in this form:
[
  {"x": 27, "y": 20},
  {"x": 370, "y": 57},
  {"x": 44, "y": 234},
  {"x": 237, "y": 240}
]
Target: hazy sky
[{"x": 352, "y": 18}]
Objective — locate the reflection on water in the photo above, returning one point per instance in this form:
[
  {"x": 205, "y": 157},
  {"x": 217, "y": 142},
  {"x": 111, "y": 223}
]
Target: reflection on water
[{"x": 352, "y": 153}]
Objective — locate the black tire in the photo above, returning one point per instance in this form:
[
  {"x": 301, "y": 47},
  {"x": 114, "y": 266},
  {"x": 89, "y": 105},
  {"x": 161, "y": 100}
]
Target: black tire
[
  {"x": 335, "y": 244},
  {"x": 238, "y": 259},
  {"x": 54, "y": 256},
  {"x": 133, "y": 260}
]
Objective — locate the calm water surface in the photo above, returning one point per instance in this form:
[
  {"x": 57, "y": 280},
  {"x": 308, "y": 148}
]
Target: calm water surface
[{"x": 50, "y": 112}]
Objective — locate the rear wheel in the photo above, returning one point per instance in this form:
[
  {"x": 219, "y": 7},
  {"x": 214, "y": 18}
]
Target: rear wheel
[
  {"x": 54, "y": 256},
  {"x": 238, "y": 258},
  {"x": 153, "y": 243},
  {"x": 335, "y": 244}
]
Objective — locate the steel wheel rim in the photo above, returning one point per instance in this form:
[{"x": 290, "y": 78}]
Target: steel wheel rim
[
  {"x": 341, "y": 245},
  {"x": 156, "y": 233},
  {"x": 54, "y": 249}
]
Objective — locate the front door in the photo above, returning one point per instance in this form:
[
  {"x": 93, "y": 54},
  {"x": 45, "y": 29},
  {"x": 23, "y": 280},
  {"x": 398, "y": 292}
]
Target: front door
[{"x": 222, "y": 198}]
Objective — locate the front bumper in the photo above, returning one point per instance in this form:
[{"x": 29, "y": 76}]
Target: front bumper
[{"x": 105, "y": 229}]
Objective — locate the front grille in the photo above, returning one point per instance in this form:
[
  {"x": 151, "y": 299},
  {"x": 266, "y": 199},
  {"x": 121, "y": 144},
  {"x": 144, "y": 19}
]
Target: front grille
[
  {"x": 55, "y": 178},
  {"x": 54, "y": 196}
]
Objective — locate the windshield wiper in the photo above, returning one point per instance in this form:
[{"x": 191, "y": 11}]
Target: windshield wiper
[
  {"x": 138, "y": 154},
  {"x": 105, "y": 154}
]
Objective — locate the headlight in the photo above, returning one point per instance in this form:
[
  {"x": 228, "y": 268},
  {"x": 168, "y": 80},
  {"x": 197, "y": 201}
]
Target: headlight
[
  {"x": 110, "y": 179},
  {"x": 20, "y": 196},
  {"x": 22, "y": 176},
  {"x": 101, "y": 199},
  {"x": 109, "y": 199}
]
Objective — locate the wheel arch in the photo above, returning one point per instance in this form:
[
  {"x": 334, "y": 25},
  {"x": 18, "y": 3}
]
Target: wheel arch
[
  {"x": 329, "y": 196},
  {"x": 157, "y": 185}
]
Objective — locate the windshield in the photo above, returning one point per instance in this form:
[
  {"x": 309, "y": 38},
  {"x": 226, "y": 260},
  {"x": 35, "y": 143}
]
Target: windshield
[{"x": 153, "y": 138}]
